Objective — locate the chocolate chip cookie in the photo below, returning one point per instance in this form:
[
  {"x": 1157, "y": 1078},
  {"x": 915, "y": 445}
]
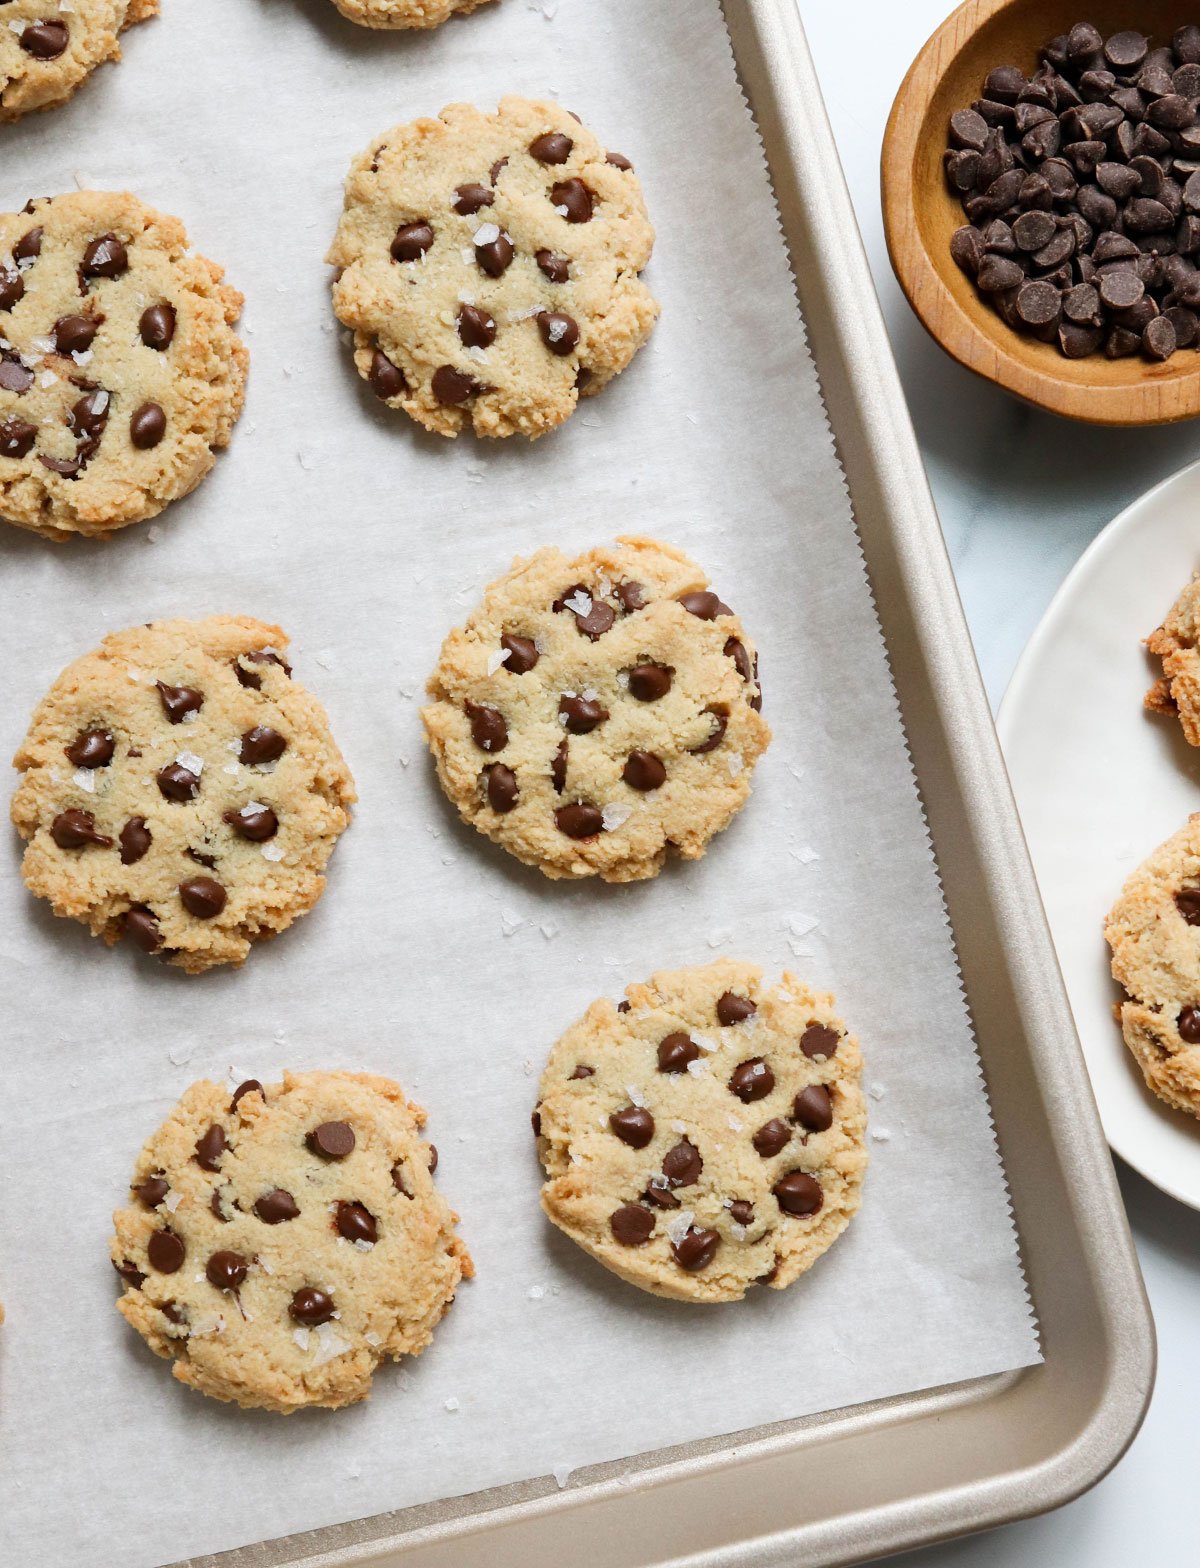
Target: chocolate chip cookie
[
  {"x": 1176, "y": 642},
  {"x": 404, "y": 13},
  {"x": 181, "y": 790},
  {"x": 594, "y": 713},
  {"x": 48, "y": 49},
  {"x": 120, "y": 373},
  {"x": 281, "y": 1242},
  {"x": 705, "y": 1134},
  {"x": 489, "y": 266},
  {"x": 1154, "y": 932}
]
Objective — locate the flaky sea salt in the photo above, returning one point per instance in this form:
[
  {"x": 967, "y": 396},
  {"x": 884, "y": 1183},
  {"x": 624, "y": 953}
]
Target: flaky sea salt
[
  {"x": 452, "y": 1404},
  {"x": 734, "y": 1124},
  {"x": 495, "y": 659},
  {"x": 636, "y": 1097},
  {"x": 372, "y": 1338},
  {"x": 207, "y": 1323},
  {"x": 232, "y": 768},
  {"x": 679, "y": 1224},
  {"x": 802, "y": 925},
  {"x": 330, "y": 1344},
  {"x": 881, "y": 1135},
  {"x": 272, "y": 851},
  {"x": 301, "y": 1335},
  {"x": 876, "y": 1091},
  {"x": 734, "y": 763},
  {"x": 190, "y": 761},
  {"x": 806, "y": 855},
  {"x": 697, "y": 1067},
  {"x": 172, "y": 1201},
  {"x": 615, "y": 815},
  {"x": 85, "y": 779},
  {"x": 703, "y": 1041},
  {"x": 486, "y": 234},
  {"x": 579, "y": 603}
]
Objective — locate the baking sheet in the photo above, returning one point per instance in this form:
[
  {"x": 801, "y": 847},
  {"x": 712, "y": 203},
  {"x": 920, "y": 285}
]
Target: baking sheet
[{"x": 433, "y": 957}]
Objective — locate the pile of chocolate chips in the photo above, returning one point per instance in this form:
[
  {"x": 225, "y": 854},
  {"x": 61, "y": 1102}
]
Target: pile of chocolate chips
[{"x": 1082, "y": 186}]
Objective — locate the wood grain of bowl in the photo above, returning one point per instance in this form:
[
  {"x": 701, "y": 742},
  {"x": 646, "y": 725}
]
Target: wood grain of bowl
[{"x": 921, "y": 213}]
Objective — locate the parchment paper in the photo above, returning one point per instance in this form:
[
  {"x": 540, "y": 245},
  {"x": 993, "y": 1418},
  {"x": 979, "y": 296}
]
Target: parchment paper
[{"x": 433, "y": 957}]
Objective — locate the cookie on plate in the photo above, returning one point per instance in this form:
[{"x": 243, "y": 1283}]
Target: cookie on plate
[
  {"x": 594, "y": 713},
  {"x": 281, "y": 1243},
  {"x": 706, "y": 1134},
  {"x": 181, "y": 790},
  {"x": 120, "y": 372},
  {"x": 1154, "y": 932},
  {"x": 1177, "y": 643},
  {"x": 48, "y": 49},
  {"x": 489, "y": 266},
  {"x": 404, "y": 13}
]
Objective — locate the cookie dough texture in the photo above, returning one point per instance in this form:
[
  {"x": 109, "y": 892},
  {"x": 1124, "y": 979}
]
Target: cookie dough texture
[
  {"x": 279, "y": 1245},
  {"x": 588, "y": 720},
  {"x": 405, "y": 13},
  {"x": 120, "y": 373},
  {"x": 489, "y": 267},
  {"x": 1154, "y": 933},
  {"x": 707, "y": 1139},
  {"x": 182, "y": 790},
  {"x": 1175, "y": 642},
  {"x": 47, "y": 52}
]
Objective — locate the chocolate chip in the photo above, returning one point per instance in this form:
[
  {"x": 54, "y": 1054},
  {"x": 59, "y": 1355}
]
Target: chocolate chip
[
  {"x": 476, "y": 328},
  {"x": 387, "y": 380},
  {"x": 1126, "y": 51},
  {"x": 176, "y": 782},
  {"x": 147, "y": 426},
  {"x": 661, "y": 1197},
  {"x": 174, "y": 1313},
  {"x": 74, "y": 334},
  {"x": 798, "y": 1193},
  {"x": 412, "y": 241},
  {"x": 558, "y": 768},
  {"x": 522, "y": 654},
  {"x": 676, "y": 1051},
  {"x": 556, "y": 268},
  {"x": 819, "y": 1041},
  {"x": 553, "y": 147},
  {"x": 202, "y": 897},
  {"x": 648, "y": 682},
  {"x": 741, "y": 1212},
  {"x": 632, "y": 1225},
  {"x": 695, "y": 1250},
  {"x": 1187, "y": 901},
  {"x": 226, "y": 1270},
  {"x": 583, "y": 1071},
  {"x": 579, "y": 820},
  {"x": 683, "y": 1164},
  {"x": 1120, "y": 290},
  {"x": 1158, "y": 338},
  {"x": 719, "y": 726},
  {"x": 704, "y": 605},
  {"x": 468, "y": 199},
  {"x": 618, "y": 161},
  {"x": 29, "y": 246},
  {"x": 751, "y": 1080},
  {"x": 74, "y": 829},
  {"x": 632, "y": 596},
  {"x": 400, "y": 1180},
  {"x": 535, "y": 1121},
  {"x": 332, "y": 1140},
  {"x": 433, "y": 1159},
  {"x": 130, "y": 1274},
  {"x": 451, "y": 386},
  {"x": 495, "y": 171},
  {"x": 152, "y": 1190},
  {"x": 140, "y": 925},
  {"x": 495, "y": 256},
  {"x": 592, "y": 622},
  {"x": 210, "y": 1146},
  {"x": 582, "y": 714},
  {"x": 502, "y": 789},
  {"x": 355, "y": 1222},
  {"x": 200, "y": 858},
  {"x": 105, "y": 257},
  {"x": 771, "y": 1137},
  {"x": 1189, "y": 1025},
  {"x": 177, "y": 701},
  {"x": 89, "y": 415},
  {"x": 166, "y": 1251},
  {"x": 311, "y": 1306},
  {"x": 262, "y": 744},
  {"x": 813, "y": 1108},
  {"x": 573, "y": 201},
  {"x": 14, "y": 376},
  {"x": 45, "y": 40},
  {"x": 634, "y": 1125},
  {"x": 250, "y": 678},
  {"x": 488, "y": 729},
  {"x": 157, "y": 326},
  {"x": 250, "y": 1086},
  {"x": 254, "y": 823},
  {"x": 91, "y": 749},
  {"x": 734, "y": 1009},
  {"x": 16, "y": 437},
  {"x": 644, "y": 771},
  {"x": 12, "y": 287},
  {"x": 560, "y": 332}
]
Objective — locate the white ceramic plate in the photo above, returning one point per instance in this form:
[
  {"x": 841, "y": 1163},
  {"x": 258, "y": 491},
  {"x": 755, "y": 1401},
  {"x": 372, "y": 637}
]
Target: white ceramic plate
[{"x": 1100, "y": 782}]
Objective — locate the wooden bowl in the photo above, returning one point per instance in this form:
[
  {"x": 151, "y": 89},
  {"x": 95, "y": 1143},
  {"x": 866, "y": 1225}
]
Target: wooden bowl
[{"x": 920, "y": 214}]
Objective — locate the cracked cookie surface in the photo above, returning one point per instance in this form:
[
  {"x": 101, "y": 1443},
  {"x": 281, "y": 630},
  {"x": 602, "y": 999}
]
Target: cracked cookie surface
[
  {"x": 706, "y": 1134},
  {"x": 48, "y": 50},
  {"x": 1154, "y": 933},
  {"x": 405, "y": 13},
  {"x": 489, "y": 267},
  {"x": 120, "y": 373},
  {"x": 283, "y": 1241},
  {"x": 181, "y": 790},
  {"x": 595, "y": 712}
]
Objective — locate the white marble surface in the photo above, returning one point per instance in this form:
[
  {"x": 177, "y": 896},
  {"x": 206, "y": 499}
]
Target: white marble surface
[{"x": 1021, "y": 494}]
